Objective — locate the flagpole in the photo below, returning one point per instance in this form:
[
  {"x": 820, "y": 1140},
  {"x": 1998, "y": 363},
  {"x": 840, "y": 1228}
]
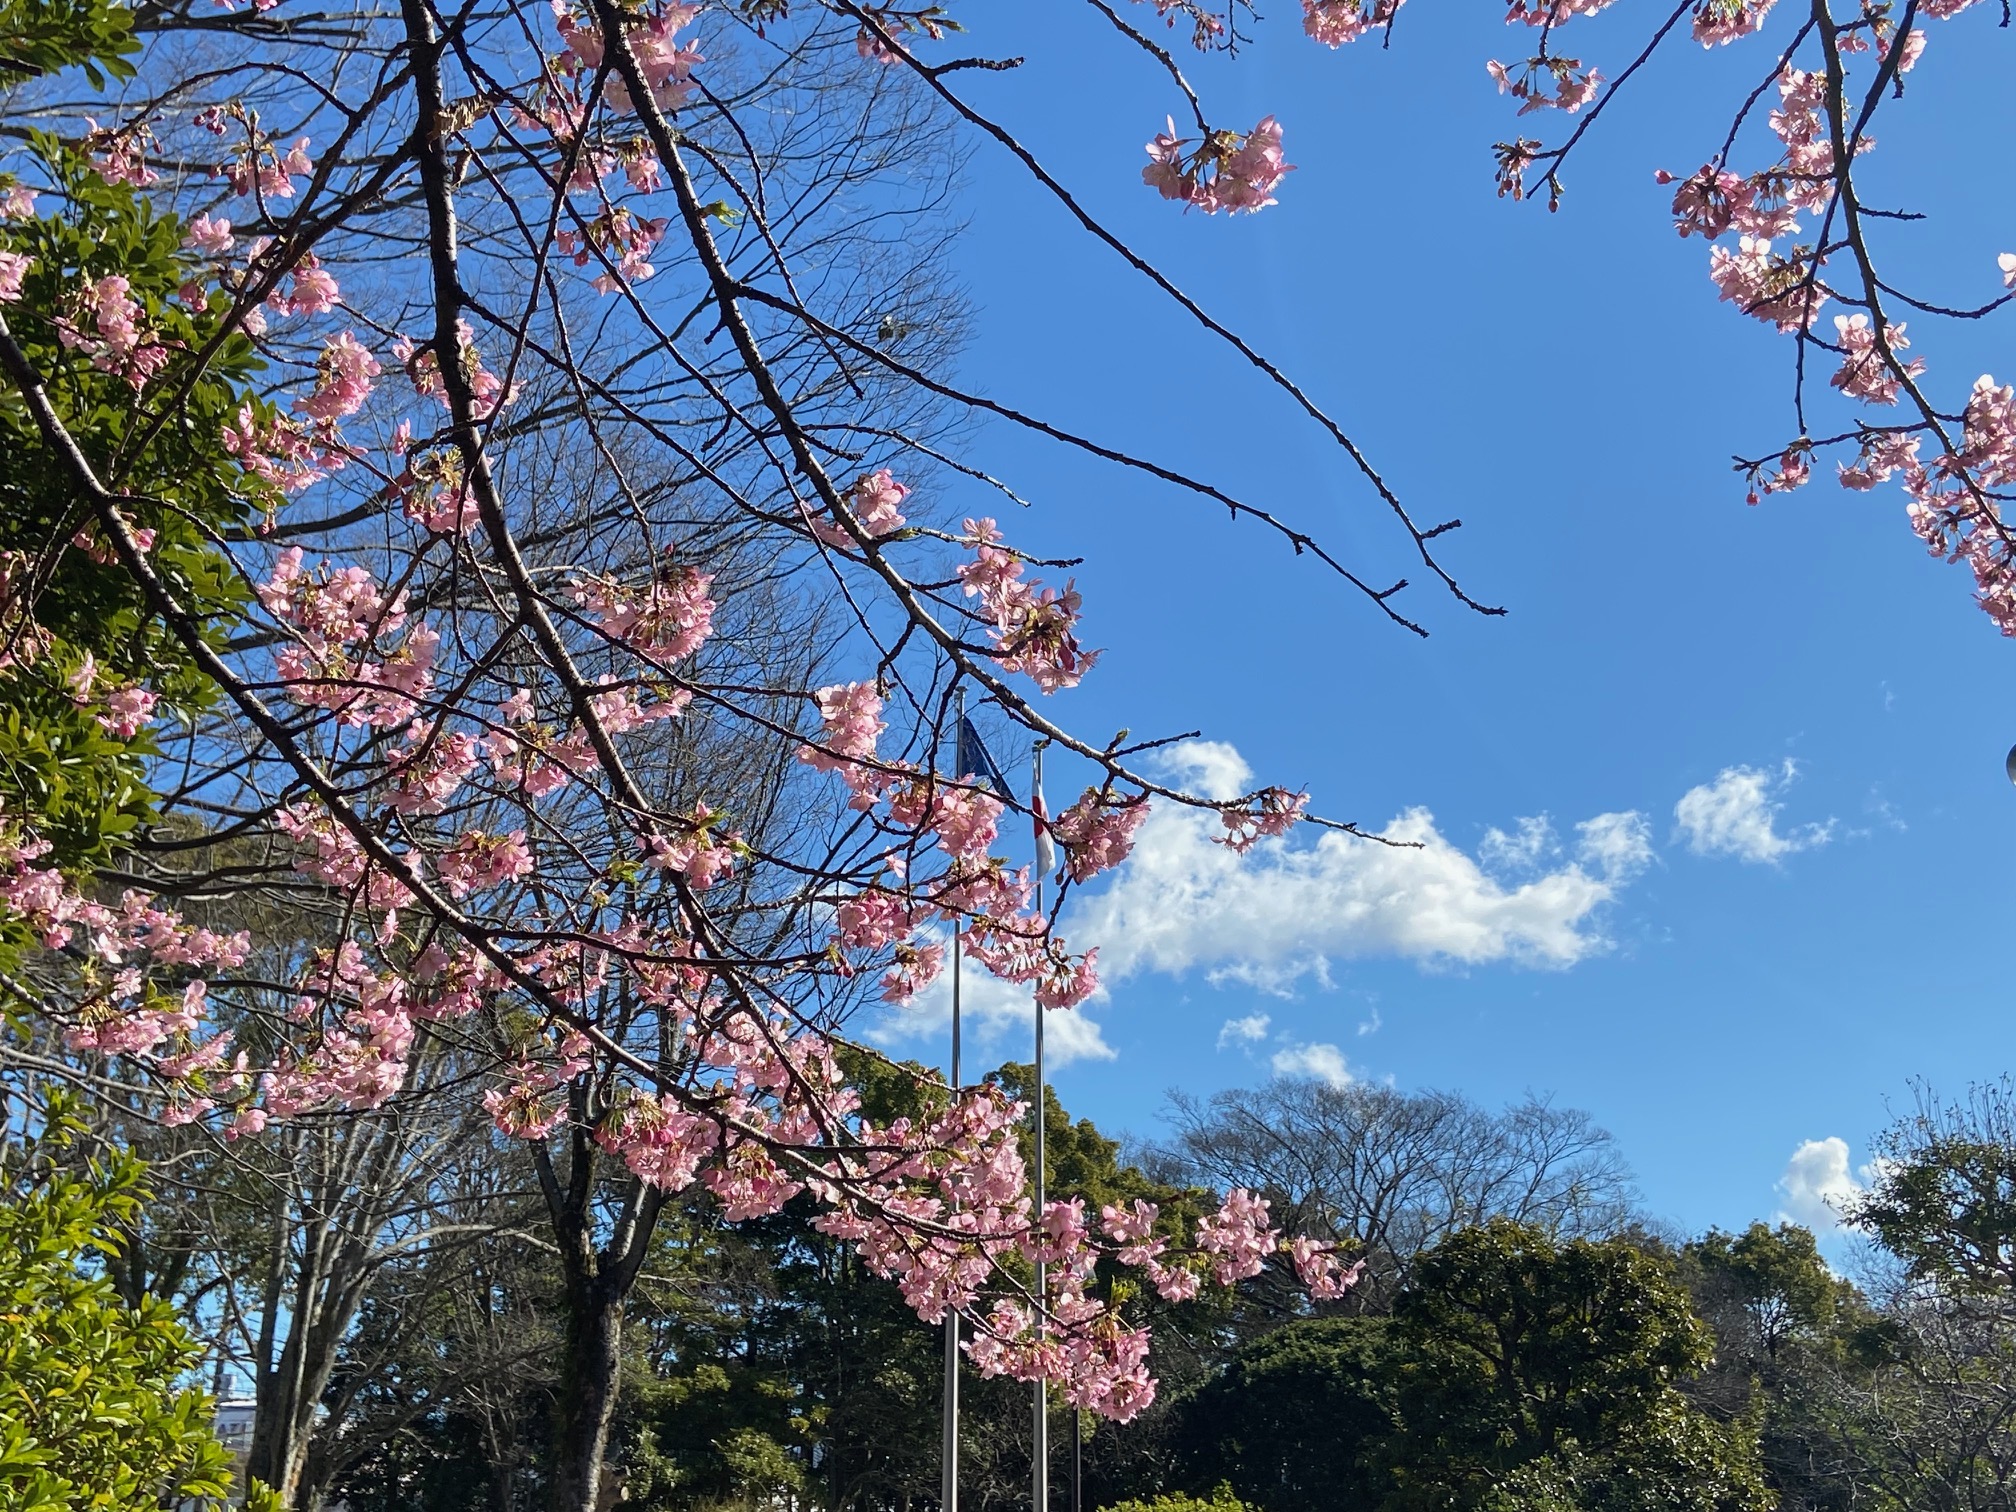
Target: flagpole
[
  {"x": 1040, "y": 1466},
  {"x": 948, "y": 1498}
]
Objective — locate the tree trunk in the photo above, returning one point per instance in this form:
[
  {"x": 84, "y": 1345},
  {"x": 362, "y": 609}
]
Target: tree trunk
[{"x": 587, "y": 1395}]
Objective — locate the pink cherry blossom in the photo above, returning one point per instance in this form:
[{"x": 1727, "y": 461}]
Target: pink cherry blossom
[
  {"x": 699, "y": 854},
  {"x": 126, "y": 712},
  {"x": 430, "y": 769},
  {"x": 119, "y": 154},
  {"x": 965, "y": 821},
  {"x": 1780, "y": 290},
  {"x": 1863, "y": 373},
  {"x": 667, "y": 66},
  {"x": 1068, "y": 981},
  {"x": 1273, "y": 812},
  {"x": 487, "y": 390},
  {"x": 1551, "y": 13},
  {"x": 209, "y": 236},
  {"x": 343, "y": 377},
  {"x": 873, "y": 502},
  {"x": 109, "y": 326},
  {"x": 1720, "y": 22},
  {"x": 264, "y": 168},
  {"x": 1224, "y": 171},
  {"x": 280, "y": 452},
  {"x": 667, "y": 619},
  {"x": 1034, "y": 629},
  {"x": 916, "y": 967},
  {"x": 1547, "y": 83},
  {"x": 313, "y": 290},
  {"x": 1322, "y": 1275},
  {"x": 1097, "y": 832},
  {"x": 1335, "y": 23},
  {"x": 872, "y": 920},
  {"x": 478, "y": 861},
  {"x": 1239, "y": 1235}
]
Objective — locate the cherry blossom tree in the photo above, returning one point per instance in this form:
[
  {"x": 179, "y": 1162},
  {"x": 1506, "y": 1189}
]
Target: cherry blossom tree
[
  {"x": 561, "y": 592},
  {"x": 523, "y": 448}
]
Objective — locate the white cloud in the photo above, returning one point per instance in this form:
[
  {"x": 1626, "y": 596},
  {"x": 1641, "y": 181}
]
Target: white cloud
[
  {"x": 1285, "y": 910},
  {"x": 1214, "y": 769},
  {"x": 1616, "y": 845},
  {"x": 997, "y": 1022},
  {"x": 1737, "y": 815},
  {"x": 1817, "y": 1184},
  {"x": 1531, "y": 841},
  {"x": 1320, "y": 1062},
  {"x": 1249, "y": 1030},
  {"x": 1289, "y": 907}
]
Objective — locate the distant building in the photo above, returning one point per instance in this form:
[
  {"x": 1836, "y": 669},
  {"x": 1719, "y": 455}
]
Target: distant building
[{"x": 233, "y": 1424}]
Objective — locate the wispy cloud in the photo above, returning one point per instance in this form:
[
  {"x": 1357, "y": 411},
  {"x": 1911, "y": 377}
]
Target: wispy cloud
[
  {"x": 1245, "y": 1032},
  {"x": 1737, "y": 815},
  {"x": 1320, "y": 1062},
  {"x": 1288, "y": 908}
]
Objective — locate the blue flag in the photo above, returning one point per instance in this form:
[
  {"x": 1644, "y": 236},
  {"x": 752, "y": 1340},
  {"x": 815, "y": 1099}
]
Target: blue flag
[{"x": 971, "y": 759}]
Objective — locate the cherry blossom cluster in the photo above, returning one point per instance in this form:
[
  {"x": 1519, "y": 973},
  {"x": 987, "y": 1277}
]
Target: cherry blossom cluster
[
  {"x": 119, "y": 153},
  {"x": 1207, "y": 27},
  {"x": 976, "y": 894},
  {"x": 1551, "y": 13},
  {"x": 1271, "y": 813},
  {"x": 1864, "y": 374},
  {"x": 334, "y": 660},
  {"x": 1954, "y": 502},
  {"x": 261, "y": 166},
  {"x": 895, "y": 22},
  {"x": 1336, "y": 23},
  {"x": 281, "y": 452},
  {"x": 668, "y": 618},
  {"x": 430, "y": 487},
  {"x": 23, "y": 641},
  {"x": 423, "y": 366},
  {"x": 874, "y": 504},
  {"x": 850, "y": 714},
  {"x": 666, "y": 64},
  {"x": 1786, "y": 291},
  {"x": 1720, "y": 22},
  {"x": 1222, "y": 170},
  {"x": 1547, "y": 83},
  {"x": 110, "y": 328},
  {"x": 1951, "y": 501},
  {"x": 1034, "y": 630},
  {"x": 343, "y": 375},
  {"x": 120, "y": 709},
  {"x": 136, "y": 962},
  {"x": 625, "y": 238},
  {"x": 1097, "y": 832},
  {"x": 1100, "y": 1360}
]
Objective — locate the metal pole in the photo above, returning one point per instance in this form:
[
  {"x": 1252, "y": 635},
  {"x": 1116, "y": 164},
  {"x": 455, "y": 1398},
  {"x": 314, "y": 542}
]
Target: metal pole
[
  {"x": 1077, "y": 1462},
  {"x": 948, "y": 1498},
  {"x": 1040, "y": 1465}
]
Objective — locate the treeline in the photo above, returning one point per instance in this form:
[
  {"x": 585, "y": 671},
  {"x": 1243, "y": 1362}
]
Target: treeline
[{"x": 1521, "y": 1339}]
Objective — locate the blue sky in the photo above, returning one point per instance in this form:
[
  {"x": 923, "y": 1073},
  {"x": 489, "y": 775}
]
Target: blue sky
[{"x": 1567, "y": 385}]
